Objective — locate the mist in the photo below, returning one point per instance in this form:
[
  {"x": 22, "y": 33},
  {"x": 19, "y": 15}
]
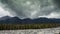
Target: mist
[{"x": 32, "y": 8}]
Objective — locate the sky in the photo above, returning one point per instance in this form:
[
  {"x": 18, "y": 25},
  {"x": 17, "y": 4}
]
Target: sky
[
  {"x": 30, "y": 8},
  {"x": 4, "y": 12}
]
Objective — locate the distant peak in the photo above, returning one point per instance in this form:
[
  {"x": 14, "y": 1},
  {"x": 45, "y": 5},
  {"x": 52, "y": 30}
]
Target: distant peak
[{"x": 16, "y": 17}]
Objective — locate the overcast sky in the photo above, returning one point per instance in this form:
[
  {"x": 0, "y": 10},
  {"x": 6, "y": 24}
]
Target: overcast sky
[{"x": 30, "y": 8}]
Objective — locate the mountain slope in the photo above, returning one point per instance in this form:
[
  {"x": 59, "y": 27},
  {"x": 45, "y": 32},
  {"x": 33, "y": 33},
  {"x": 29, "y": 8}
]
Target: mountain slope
[{"x": 16, "y": 20}]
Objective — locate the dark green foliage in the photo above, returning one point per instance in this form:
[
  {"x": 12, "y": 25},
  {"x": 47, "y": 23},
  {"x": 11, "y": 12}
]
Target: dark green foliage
[{"x": 26, "y": 26}]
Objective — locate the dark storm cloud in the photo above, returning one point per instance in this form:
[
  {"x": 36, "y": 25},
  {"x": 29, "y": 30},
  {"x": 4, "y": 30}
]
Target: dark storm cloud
[
  {"x": 57, "y": 3},
  {"x": 20, "y": 9},
  {"x": 13, "y": 7},
  {"x": 32, "y": 8}
]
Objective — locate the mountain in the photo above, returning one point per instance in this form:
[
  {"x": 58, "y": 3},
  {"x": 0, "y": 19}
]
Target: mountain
[
  {"x": 16, "y": 20},
  {"x": 9, "y": 20},
  {"x": 5, "y": 17}
]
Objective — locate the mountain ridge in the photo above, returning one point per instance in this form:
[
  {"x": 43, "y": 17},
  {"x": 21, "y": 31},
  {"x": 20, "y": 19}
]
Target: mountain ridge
[{"x": 16, "y": 20}]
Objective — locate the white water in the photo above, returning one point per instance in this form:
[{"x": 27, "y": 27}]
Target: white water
[{"x": 32, "y": 31}]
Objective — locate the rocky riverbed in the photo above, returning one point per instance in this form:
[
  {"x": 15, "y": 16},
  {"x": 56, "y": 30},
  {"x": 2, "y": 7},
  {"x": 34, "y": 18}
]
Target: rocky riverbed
[{"x": 32, "y": 31}]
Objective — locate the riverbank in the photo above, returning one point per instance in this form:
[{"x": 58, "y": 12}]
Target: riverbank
[{"x": 27, "y": 26}]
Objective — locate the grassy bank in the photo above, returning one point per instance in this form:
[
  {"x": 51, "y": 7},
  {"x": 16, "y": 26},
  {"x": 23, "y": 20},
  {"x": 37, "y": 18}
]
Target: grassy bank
[{"x": 27, "y": 26}]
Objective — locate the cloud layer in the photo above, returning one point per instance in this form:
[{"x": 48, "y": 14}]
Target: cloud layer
[{"x": 33, "y": 8}]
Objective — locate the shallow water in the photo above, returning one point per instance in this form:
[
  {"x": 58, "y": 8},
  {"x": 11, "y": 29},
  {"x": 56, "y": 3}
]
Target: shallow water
[{"x": 32, "y": 31}]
